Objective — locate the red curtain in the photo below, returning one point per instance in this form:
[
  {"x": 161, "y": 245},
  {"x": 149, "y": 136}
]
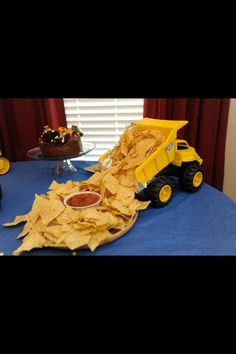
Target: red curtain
[
  {"x": 206, "y": 130},
  {"x": 22, "y": 122}
]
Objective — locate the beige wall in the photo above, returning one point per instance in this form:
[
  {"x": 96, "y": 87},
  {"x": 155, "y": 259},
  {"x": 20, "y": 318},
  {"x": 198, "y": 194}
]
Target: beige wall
[{"x": 229, "y": 187}]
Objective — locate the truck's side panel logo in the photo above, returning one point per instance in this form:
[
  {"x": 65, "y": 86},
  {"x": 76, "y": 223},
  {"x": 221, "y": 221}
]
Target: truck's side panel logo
[{"x": 169, "y": 147}]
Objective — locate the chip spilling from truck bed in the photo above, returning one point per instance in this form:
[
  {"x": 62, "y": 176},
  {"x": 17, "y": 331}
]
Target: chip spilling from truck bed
[{"x": 52, "y": 224}]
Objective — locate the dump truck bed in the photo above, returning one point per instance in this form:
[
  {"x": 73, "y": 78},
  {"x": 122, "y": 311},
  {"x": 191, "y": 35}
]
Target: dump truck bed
[{"x": 164, "y": 154}]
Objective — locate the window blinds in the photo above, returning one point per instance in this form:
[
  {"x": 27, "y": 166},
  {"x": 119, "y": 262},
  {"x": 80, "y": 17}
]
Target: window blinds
[{"x": 102, "y": 120}]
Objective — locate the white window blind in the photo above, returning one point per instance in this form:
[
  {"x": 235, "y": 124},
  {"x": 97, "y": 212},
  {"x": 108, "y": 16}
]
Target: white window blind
[{"x": 102, "y": 121}]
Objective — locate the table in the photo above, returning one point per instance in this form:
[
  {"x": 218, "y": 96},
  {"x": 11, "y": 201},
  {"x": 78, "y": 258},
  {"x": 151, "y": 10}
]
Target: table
[{"x": 202, "y": 223}]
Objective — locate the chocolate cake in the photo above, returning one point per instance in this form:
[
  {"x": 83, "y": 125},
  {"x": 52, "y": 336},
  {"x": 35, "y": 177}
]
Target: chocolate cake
[{"x": 61, "y": 142}]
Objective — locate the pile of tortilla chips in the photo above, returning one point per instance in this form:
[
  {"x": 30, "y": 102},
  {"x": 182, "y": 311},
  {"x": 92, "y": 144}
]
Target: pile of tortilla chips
[{"x": 51, "y": 224}]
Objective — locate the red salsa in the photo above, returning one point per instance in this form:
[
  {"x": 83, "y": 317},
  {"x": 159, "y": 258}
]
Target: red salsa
[{"x": 82, "y": 200}]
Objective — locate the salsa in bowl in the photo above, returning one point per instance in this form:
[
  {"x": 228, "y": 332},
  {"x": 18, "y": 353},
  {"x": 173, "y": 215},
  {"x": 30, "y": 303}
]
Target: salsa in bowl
[{"x": 83, "y": 200}]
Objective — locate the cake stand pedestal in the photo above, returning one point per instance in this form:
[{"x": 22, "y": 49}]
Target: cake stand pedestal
[
  {"x": 64, "y": 167},
  {"x": 63, "y": 163}
]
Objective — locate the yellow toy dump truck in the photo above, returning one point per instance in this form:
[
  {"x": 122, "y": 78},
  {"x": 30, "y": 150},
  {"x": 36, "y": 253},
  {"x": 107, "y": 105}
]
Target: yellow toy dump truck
[
  {"x": 174, "y": 157},
  {"x": 4, "y": 165},
  {"x": 4, "y": 168}
]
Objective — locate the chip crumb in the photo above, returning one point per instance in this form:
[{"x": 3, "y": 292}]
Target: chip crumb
[
  {"x": 1, "y": 254},
  {"x": 74, "y": 253}
]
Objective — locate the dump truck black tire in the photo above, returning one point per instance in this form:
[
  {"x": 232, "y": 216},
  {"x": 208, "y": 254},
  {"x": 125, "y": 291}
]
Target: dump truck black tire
[
  {"x": 160, "y": 191},
  {"x": 142, "y": 196},
  {"x": 192, "y": 178}
]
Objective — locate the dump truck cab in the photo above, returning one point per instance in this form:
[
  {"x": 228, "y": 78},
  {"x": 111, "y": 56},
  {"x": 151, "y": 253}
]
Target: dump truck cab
[{"x": 185, "y": 153}]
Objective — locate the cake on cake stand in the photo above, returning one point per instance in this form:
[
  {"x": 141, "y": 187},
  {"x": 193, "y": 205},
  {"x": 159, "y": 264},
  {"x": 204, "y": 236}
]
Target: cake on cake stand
[{"x": 63, "y": 163}]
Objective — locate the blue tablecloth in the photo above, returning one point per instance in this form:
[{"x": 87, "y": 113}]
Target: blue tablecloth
[{"x": 203, "y": 223}]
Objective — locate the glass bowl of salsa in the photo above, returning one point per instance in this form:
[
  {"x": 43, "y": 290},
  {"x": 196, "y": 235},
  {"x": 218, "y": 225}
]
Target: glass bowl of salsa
[{"x": 83, "y": 200}]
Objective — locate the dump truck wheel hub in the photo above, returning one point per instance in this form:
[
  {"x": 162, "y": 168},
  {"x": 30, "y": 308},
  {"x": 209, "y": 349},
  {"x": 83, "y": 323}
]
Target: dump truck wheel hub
[
  {"x": 197, "y": 179},
  {"x": 165, "y": 193},
  {"x": 4, "y": 165}
]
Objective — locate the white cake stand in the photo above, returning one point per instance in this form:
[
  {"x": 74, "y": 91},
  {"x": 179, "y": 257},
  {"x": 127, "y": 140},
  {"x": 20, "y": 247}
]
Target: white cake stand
[{"x": 63, "y": 165}]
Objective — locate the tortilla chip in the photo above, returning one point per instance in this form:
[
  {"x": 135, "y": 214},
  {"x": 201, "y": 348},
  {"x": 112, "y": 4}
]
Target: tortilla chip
[
  {"x": 32, "y": 240},
  {"x": 54, "y": 230},
  {"x": 28, "y": 226},
  {"x": 69, "y": 215},
  {"x": 100, "y": 237},
  {"x": 54, "y": 186},
  {"x": 94, "y": 179},
  {"x": 120, "y": 207},
  {"x": 75, "y": 240},
  {"x": 111, "y": 183},
  {"x": 51, "y": 209},
  {"x": 18, "y": 219},
  {"x": 93, "y": 244}
]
